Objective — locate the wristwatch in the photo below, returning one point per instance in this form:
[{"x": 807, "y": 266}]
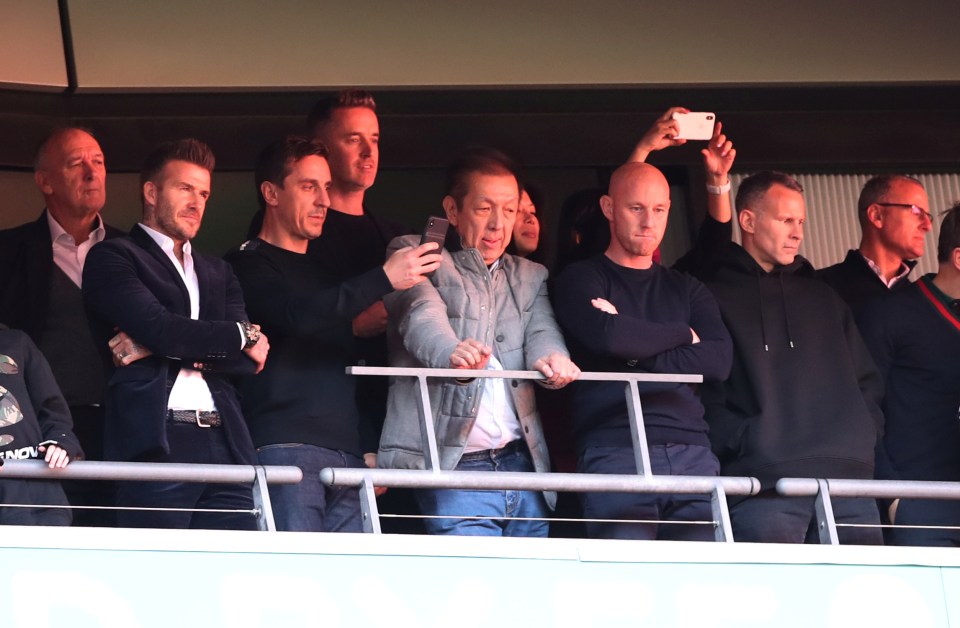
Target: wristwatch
[{"x": 251, "y": 333}]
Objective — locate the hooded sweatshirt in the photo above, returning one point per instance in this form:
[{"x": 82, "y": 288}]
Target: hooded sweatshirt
[
  {"x": 32, "y": 410},
  {"x": 803, "y": 396}
]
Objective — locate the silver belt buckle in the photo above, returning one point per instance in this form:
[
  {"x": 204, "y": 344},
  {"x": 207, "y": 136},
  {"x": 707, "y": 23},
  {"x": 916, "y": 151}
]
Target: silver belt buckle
[{"x": 199, "y": 424}]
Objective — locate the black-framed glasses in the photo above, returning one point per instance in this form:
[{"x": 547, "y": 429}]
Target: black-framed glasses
[{"x": 915, "y": 210}]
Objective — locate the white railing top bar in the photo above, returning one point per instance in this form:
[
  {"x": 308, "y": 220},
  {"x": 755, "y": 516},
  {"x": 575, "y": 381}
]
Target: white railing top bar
[
  {"x": 880, "y": 489},
  {"x": 149, "y": 472},
  {"x": 481, "y": 480},
  {"x": 535, "y": 375}
]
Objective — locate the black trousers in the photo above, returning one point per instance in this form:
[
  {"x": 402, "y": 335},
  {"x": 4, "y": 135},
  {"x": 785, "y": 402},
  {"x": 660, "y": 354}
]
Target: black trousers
[{"x": 189, "y": 443}]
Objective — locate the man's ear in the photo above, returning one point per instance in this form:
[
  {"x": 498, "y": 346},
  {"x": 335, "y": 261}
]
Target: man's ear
[
  {"x": 450, "y": 209},
  {"x": 955, "y": 258},
  {"x": 150, "y": 193},
  {"x": 875, "y": 215},
  {"x": 269, "y": 192},
  {"x": 606, "y": 206},
  {"x": 748, "y": 221},
  {"x": 43, "y": 182}
]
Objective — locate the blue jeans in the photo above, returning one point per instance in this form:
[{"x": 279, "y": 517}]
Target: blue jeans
[
  {"x": 771, "y": 518},
  {"x": 310, "y": 506},
  {"x": 672, "y": 459},
  {"x": 497, "y": 507}
]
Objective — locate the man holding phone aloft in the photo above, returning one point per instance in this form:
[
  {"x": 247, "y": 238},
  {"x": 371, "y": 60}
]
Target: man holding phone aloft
[
  {"x": 301, "y": 408},
  {"x": 481, "y": 309}
]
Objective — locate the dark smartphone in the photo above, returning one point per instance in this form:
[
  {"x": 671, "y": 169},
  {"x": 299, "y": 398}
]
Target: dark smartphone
[{"x": 435, "y": 231}]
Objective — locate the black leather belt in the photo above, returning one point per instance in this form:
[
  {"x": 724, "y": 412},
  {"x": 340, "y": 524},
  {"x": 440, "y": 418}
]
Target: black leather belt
[
  {"x": 200, "y": 418},
  {"x": 512, "y": 447}
]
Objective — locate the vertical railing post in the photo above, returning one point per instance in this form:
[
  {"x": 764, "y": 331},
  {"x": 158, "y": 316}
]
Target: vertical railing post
[
  {"x": 723, "y": 533},
  {"x": 261, "y": 501},
  {"x": 637, "y": 430},
  {"x": 826, "y": 524},
  {"x": 368, "y": 508},
  {"x": 431, "y": 455}
]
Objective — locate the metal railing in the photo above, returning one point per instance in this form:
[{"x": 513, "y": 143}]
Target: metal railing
[
  {"x": 823, "y": 489},
  {"x": 257, "y": 476},
  {"x": 433, "y": 477}
]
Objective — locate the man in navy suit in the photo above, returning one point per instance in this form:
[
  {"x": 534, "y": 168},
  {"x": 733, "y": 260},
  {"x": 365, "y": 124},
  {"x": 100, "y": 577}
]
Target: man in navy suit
[
  {"x": 180, "y": 330},
  {"x": 40, "y": 284}
]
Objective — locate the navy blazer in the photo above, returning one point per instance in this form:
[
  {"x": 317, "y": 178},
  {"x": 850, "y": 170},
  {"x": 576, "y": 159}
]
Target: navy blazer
[
  {"x": 130, "y": 284},
  {"x": 26, "y": 267}
]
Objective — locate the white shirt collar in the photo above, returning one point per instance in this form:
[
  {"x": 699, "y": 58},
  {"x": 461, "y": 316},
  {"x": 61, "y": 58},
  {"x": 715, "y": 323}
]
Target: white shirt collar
[
  {"x": 57, "y": 232},
  {"x": 165, "y": 242}
]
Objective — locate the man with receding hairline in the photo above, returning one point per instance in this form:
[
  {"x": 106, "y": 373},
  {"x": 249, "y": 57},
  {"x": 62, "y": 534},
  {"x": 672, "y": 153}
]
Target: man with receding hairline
[
  {"x": 40, "y": 288},
  {"x": 914, "y": 336},
  {"x": 803, "y": 396},
  {"x": 894, "y": 218},
  {"x": 622, "y": 312}
]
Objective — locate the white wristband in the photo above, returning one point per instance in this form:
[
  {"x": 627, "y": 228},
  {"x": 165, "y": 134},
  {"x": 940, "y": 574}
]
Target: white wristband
[{"x": 719, "y": 189}]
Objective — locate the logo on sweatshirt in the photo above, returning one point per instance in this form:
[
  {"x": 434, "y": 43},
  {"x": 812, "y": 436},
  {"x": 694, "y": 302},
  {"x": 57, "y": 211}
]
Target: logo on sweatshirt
[
  {"x": 8, "y": 366},
  {"x": 10, "y": 414}
]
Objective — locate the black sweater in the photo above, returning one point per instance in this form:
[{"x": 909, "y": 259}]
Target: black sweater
[
  {"x": 656, "y": 307},
  {"x": 914, "y": 336},
  {"x": 803, "y": 397},
  {"x": 303, "y": 394}
]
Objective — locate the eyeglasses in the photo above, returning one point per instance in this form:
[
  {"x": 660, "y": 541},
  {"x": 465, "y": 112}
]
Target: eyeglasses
[{"x": 915, "y": 210}]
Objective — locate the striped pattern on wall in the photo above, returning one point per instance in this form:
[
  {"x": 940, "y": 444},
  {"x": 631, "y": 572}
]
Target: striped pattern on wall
[{"x": 832, "y": 227}]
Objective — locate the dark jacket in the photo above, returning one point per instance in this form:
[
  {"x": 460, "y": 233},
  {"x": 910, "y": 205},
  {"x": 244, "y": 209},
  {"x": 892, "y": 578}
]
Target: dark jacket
[
  {"x": 914, "y": 336},
  {"x": 26, "y": 257},
  {"x": 130, "y": 284},
  {"x": 803, "y": 397},
  {"x": 856, "y": 283}
]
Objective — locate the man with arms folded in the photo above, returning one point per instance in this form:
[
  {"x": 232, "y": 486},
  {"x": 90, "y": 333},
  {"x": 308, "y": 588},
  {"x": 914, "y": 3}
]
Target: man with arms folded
[
  {"x": 481, "y": 309},
  {"x": 623, "y": 312},
  {"x": 301, "y": 409},
  {"x": 914, "y": 336},
  {"x": 183, "y": 331}
]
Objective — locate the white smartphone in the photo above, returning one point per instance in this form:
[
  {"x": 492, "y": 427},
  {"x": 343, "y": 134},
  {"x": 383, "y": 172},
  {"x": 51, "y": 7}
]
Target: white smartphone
[{"x": 696, "y": 125}]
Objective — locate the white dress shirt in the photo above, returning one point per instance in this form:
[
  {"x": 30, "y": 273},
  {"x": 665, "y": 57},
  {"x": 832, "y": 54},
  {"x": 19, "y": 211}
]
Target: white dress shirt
[
  {"x": 497, "y": 424},
  {"x": 190, "y": 391},
  {"x": 67, "y": 254}
]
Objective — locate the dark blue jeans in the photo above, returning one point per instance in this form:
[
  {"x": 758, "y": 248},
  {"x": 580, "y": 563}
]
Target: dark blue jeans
[
  {"x": 189, "y": 443},
  {"x": 673, "y": 459},
  {"x": 310, "y": 506},
  {"x": 771, "y": 518},
  {"x": 494, "y": 506}
]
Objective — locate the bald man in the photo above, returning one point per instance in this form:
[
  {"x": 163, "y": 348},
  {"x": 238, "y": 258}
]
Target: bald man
[{"x": 623, "y": 312}]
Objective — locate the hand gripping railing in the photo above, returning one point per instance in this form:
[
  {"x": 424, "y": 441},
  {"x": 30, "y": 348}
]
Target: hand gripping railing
[
  {"x": 258, "y": 476},
  {"x": 434, "y": 477},
  {"x": 823, "y": 489}
]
